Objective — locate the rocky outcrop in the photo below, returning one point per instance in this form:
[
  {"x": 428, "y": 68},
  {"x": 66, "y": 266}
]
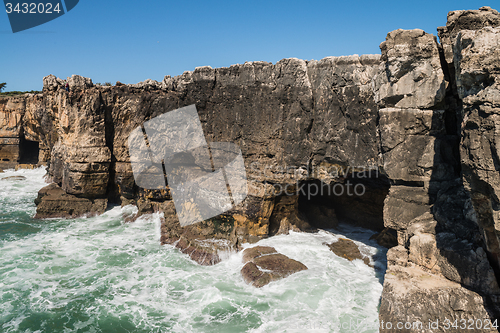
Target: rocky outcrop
[
  {"x": 414, "y": 127},
  {"x": 428, "y": 302},
  {"x": 478, "y": 80},
  {"x": 264, "y": 265},
  {"x": 53, "y": 201},
  {"x": 10, "y": 130},
  {"x": 446, "y": 264},
  {"x": 438, "y": 233},
  {"x": 410, "y": 74},
  {"x": 461, "y": 20},
  {"x": 347, "y": 249}
]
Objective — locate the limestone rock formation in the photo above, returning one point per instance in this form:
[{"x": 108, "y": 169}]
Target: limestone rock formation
[
  {"x": 11, "y": 110},
  {"x": 264, "y": 265},
  {"x": 475, "y": 59},
  {"x": 410, "y": 74},
  {"x": 460, "y": 20},
  {"x": 432, "y": 211},
  {"x": 53, "y": 201},
  {"x": 428, "y": 302}
]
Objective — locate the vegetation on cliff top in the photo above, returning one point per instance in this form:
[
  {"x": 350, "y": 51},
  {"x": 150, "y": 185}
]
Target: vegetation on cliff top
[{"x": 15, "y": 93}]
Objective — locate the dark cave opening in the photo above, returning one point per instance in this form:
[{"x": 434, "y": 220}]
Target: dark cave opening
[
  {"x": 356, "y": 200},
  {"x": 28, "y": 151}
]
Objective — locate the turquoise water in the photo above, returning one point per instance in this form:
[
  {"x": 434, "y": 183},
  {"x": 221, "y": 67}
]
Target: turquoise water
[{"x": 103, "y": 275}]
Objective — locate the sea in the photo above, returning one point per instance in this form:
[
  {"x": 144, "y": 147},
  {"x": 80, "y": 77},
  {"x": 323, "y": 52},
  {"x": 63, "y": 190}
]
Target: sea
[{"x": 101, "y": 274}]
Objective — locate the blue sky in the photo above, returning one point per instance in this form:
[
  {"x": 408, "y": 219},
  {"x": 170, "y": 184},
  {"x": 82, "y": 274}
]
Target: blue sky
[{"x": 130, "y": 41}]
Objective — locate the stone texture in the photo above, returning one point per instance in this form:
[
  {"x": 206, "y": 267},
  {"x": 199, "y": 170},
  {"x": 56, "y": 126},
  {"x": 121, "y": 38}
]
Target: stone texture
[
  {"x": 439, "y": 236},
  {"x": 148, "y": 85},
  {"x": 54, "y": 202},
  {"x": 52, "y": 83},
  {"x": 476, "y": 65},
  {"x": 410, "y": 74},
  {"x": 205, "y": 242},
  {"x": 347, "y": 249},
  {"x": 403, "y": 204},
  {"x": 11, "y": 112},
  {"x": 397, "y": 124},
  {"x": 444, "y": 253},
  {"x": 465, "y": 20},
  {"x": 264, "y": 265},
  {"x": 412, "y": 295},
  {"x": 25, "y": 166},
  {"x": 77, "y": 82}
]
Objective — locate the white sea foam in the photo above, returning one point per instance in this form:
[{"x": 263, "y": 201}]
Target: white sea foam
[{"x": 101, "y": 274}]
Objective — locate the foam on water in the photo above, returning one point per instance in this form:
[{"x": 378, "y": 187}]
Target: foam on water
[{"x": 103, "y": 275}]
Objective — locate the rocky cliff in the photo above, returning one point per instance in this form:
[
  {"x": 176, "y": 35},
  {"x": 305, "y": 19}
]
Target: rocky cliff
[{"x": 416, "y": 126}]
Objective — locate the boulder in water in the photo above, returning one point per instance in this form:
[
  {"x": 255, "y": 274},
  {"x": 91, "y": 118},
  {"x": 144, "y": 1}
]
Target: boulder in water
[
  {"x": 263, "y": 265},
  {"x": 14, "y": 178},
  {"x": 54, "y": 202},
  {"x": 347, "y": 249}
]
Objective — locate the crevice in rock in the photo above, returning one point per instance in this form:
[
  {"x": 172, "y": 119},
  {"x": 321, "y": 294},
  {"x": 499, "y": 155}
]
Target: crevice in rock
[
  {"x": 452, "y": 102},
  {"x": 309, "y": 127},
  {"x": 112, "y": 189},
  {"x": 400, "y": 182}
]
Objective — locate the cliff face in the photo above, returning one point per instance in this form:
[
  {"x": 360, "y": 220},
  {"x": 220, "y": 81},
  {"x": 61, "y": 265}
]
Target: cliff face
[
  {"x": 445, "y": 266},
  {"x": 416, "y": 126}
]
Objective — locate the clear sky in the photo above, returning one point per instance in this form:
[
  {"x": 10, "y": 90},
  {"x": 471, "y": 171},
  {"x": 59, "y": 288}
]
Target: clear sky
[{"x": 130, "y": 41}]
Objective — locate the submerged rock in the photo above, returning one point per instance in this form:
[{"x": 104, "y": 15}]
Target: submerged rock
[
  {"x": 14, "y": 178},
  {"x": 347, "y": 249},
  {"x": 387, "y": 238},
  {"x": 264, "y": 264}
]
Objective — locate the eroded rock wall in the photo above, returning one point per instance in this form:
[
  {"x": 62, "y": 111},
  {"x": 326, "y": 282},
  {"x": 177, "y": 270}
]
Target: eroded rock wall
[
  {"x": 287, "y": 118},
  {"x": 448, "y": 246}
]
